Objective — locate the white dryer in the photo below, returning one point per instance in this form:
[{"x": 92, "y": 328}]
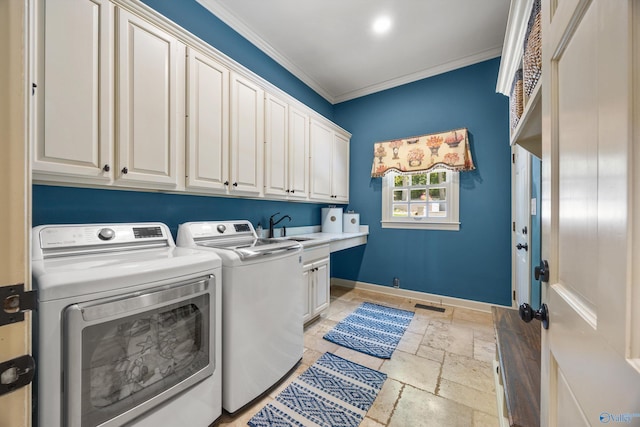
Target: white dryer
[
  {"x": 128, "y": 327},
  {"x": 262, "y": 326}
]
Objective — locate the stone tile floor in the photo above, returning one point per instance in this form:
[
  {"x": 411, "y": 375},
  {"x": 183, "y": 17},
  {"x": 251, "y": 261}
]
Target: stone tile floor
[{"x": 439, "y": 375}]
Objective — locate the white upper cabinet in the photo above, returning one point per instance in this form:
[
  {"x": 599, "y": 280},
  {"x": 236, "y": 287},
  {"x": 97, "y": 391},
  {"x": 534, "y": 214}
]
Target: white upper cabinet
[
  {"x": 340, "y": 168},
  {"x": 298, "y": 154},
  {"x": 207, "y": 123},
  {"x": 286, "y": 150},
  {"x": 150, "y": 76},
  {"x": 74, "y": 117},
  {"x": 124, "y": 97},
  {"x": 246, "y": 137},
  {"x": 329, "y": 164}
]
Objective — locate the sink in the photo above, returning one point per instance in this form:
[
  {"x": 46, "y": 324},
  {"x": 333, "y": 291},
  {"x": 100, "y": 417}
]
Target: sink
[{"x": 299, "y": 239}]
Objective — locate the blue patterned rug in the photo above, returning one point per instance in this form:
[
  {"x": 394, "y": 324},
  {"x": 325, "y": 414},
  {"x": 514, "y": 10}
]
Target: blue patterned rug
[
  {"x": 371, "y": 329},
  {"x": 333, "y": 392}
]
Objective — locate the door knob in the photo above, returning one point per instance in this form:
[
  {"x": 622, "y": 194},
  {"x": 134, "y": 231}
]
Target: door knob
[
  {"x": 541, "y": 272},
  {"x": 528, "y": 314},
  {"x": 521, "y": 246}
]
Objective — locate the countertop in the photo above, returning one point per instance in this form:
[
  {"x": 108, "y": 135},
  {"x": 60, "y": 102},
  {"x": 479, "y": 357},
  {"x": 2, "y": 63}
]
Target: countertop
[{"x": 312, "y": 236}]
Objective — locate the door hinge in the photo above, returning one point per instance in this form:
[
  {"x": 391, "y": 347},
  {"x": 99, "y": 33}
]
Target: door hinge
[
  {"x": 514, "y": 226},
  {"x": 513, "y": 158},
  {"x": 16, "y": 373},
  {"x": 15, "y": 301},
  {"x": 33, "y": 88},
  {"x": 514, "y": 295}
]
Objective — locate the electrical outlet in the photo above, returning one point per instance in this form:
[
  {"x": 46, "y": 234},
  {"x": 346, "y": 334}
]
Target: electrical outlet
[{"x": 396, "y": 282}]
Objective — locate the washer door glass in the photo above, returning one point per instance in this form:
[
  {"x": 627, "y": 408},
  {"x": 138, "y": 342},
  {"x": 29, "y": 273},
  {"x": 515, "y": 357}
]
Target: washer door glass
[{"x": 128, "y": 363}]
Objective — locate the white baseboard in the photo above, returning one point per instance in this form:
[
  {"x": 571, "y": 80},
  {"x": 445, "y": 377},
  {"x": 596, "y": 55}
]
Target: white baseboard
[{"x": 422, "y": 296}]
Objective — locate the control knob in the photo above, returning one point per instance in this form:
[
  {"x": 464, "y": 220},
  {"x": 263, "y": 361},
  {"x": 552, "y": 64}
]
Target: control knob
[{"x": 106, "y": 234}]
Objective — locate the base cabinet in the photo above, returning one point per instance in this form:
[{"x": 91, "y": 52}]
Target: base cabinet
[{"x": 315, "y": 270}]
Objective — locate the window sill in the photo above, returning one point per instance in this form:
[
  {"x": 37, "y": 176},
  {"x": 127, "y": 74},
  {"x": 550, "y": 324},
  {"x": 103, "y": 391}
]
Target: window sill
[{"x": 419, "y": 225}]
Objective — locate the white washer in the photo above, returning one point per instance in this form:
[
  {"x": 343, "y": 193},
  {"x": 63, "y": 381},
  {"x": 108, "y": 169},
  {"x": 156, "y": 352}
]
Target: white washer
[
  {"x": 128, "y": 327},
  {"x": 262, "y": 332}
]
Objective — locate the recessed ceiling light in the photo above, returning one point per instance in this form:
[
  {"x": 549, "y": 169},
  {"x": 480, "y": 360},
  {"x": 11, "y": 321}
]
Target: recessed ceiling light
[{"x": 381, "y": 25}]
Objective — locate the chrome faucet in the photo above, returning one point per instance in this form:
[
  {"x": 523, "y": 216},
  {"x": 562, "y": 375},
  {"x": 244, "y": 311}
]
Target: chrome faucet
[{"x": 272, "y": 223}]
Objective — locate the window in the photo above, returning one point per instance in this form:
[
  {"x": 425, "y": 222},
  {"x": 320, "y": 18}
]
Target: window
[{"x": 422, "y": 200}]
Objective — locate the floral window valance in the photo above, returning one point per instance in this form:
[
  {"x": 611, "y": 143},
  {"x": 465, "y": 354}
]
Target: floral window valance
[{"x": 448, "y": 150}]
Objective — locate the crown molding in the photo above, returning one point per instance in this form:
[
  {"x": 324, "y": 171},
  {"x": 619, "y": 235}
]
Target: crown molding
[
  {"x": 224, "y": 14},
  {"x": 423, "y": 74},
  {"x": 512, "y": 48}
]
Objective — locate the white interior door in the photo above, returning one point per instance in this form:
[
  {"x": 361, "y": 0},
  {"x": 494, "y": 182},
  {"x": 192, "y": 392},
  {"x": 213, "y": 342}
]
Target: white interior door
[
  {"x": 522, "y": 226},
  {"x": 590, "y": 369}
]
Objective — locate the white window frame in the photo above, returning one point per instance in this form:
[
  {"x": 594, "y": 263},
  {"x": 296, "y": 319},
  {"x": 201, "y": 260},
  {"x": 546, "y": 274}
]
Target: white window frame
[{"x": 450, "y": 223}]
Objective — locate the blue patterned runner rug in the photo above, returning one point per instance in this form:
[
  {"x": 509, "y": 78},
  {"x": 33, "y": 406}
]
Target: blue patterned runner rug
[
  {"x": 372, "y": 329},
  {"x": 333, "y": 392}
]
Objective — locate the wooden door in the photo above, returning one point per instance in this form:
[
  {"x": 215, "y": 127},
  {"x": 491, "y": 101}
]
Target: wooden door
[
  {"x": 247, "y": 136},
  {"x": 298, "y": 154},
  {"x": 75, "y": 91},
  {"x": 590, "y": 353},
  {"x": 150, "y": 104},
  {"x": 207, "y": 123},
  {"x": 522, "y": 225},
  {"x": 276, "y": 125},
  {"x": 321, "y": 280},
  {"x": 321, "y": 146},
  {"x": 15, "y": 193},
  {"x": 307, "y": 288},
  {"x": 340, "y": 169}
]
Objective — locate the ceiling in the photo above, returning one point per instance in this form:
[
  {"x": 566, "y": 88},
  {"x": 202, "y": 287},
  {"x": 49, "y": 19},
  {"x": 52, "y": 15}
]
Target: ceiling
[{"x": 330, "y": 46}]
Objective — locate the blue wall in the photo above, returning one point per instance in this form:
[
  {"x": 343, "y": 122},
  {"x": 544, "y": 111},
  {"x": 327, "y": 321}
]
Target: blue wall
[
  {"x": 63, "y": 205},
  {"x": 196, "y": 19},
  {"x": 473, "y": 263}
]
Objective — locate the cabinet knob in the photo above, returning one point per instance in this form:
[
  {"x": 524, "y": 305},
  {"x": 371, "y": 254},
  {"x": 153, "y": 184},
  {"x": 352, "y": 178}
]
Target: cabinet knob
[
  {"x": 106, "y": 168},
  {"x": 293, "y": 191},
  {"x": 226, "y": 183},
  {"x": 287, "y": 191},
  {"x": 521, "y": 246},
  {"x": 235, "y": 184},
  {"x": 125, "y": 170}
]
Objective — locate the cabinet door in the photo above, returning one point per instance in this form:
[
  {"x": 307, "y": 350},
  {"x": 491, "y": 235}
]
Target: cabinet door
[
  {"x": 207, "y": 123},
  {"x": 75, "y": 93},
  {"x": 276, "y": 142},
  {"x": 298, "y": 154},
  {"x": 321, "y": 143},
  {"x": 247, "y": 136},
  {"x": 307, "y": 281},
  {"x": 151, "y": 67},
  {"x": 340, "y": 169},
  {"x": 321, "y": 288}
]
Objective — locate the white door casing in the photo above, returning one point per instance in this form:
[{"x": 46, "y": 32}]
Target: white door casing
[
  {"x": 522, "y": 220},
  {"x": 588, "y": 355},
  {"x": 15, "y": 192}
]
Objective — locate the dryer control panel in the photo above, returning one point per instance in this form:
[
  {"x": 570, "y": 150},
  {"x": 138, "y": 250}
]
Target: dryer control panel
[{"x": 65, "y": 239}]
